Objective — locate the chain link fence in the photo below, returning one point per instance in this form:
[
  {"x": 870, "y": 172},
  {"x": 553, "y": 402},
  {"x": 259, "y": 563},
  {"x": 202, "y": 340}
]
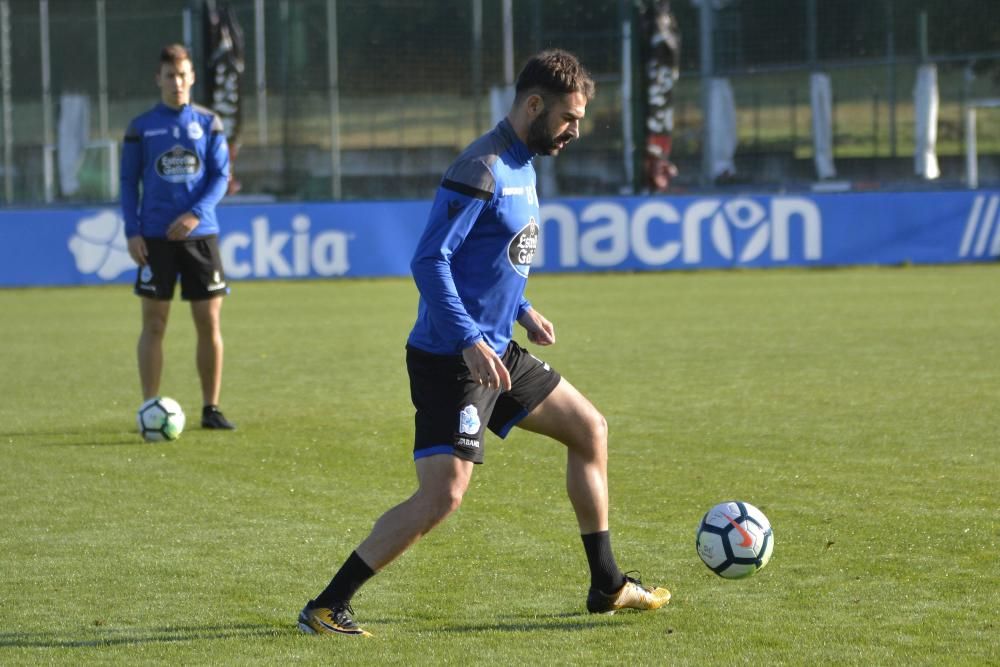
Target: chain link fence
[{"x": 371, "y": 99}]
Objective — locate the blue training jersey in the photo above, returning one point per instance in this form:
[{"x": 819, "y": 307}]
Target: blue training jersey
[
  {"x": 181, "y": 159},
  {"x": 471, "y": 265}
]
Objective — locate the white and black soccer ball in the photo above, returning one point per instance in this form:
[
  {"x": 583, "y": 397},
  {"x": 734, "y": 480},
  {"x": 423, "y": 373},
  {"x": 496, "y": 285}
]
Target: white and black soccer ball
[
  {"x": 160, "y": 419},
  {"x": 735, "y": 539}
]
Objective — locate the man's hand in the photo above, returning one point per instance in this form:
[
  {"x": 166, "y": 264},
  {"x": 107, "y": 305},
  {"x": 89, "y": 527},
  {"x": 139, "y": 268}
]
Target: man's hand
[
  {"x": 137, "y": 250},
  {"x": 540, "y": 330},
  {"x": 486, "y": 367},
  {"x": 182, "y": 227}
]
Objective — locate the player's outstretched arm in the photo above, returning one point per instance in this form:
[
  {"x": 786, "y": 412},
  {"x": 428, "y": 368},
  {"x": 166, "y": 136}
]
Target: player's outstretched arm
[{"x": 540, "y": 330}]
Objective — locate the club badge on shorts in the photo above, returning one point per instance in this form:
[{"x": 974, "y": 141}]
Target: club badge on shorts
[{"x": 468, "y": 420}]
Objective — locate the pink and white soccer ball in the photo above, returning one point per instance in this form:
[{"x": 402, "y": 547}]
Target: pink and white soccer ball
[{"x": 735, "y": 539}]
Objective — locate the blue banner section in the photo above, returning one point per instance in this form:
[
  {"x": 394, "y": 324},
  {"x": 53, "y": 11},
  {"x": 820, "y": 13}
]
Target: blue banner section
[{"x": 87, "y": 246}]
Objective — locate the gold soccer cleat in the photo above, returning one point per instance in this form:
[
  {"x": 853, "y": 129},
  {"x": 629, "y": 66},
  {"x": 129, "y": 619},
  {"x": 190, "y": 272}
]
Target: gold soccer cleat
[
  {"x": 329, "y": 621},
  {"x": 633, "y": 595}
]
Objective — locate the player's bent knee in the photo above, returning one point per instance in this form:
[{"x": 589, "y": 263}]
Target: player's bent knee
[
  {"x": 592, "y": 442},
  {"x": 439, "y": 503},
  {"x": 449, "y": 502},
  {"x": 597, "y": 427}
]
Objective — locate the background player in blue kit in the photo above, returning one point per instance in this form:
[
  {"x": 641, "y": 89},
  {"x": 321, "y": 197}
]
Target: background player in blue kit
[
  {"x": 466, "y": 372},
  {"x": 177, "y": 152}
]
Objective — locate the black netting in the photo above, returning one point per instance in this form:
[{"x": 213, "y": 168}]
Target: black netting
[{"x": 414, "y": 85}]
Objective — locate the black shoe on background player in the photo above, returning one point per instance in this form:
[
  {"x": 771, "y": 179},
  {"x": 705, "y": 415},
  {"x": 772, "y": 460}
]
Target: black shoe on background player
[{"x": 212, "y": 417}]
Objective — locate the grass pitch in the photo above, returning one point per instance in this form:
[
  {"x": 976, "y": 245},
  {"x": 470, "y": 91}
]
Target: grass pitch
[{"x": 856, "y": 408}]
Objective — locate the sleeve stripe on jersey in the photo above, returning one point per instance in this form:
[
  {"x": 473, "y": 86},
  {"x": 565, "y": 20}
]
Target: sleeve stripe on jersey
[{"x": 467, "y": 190}]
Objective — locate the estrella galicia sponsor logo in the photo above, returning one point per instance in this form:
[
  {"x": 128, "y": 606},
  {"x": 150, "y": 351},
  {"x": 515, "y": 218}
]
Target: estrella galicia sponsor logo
[
  {"x": 178, "y": 165},
  {"x": 707, "y": 232},
  {"x": 468, "y": 420},
  {"x": 523, "y": 246},
  {"x": 99, "y": 245},
  {"x": 980, "y": 223}
]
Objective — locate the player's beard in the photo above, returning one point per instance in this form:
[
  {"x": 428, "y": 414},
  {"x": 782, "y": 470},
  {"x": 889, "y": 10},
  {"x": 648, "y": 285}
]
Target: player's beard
[{"x": 540, "y": 139}]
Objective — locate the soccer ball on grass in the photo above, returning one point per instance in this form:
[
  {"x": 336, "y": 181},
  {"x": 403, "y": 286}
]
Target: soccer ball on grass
[
  {"x": 734, "y": 539},
  {"x": 160, "y": 419}
]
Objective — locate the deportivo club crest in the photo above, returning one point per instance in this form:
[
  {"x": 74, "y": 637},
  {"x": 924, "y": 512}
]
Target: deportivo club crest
[
  {"x": 522, "y": 247},
  {"x": 468, "y": 420}
]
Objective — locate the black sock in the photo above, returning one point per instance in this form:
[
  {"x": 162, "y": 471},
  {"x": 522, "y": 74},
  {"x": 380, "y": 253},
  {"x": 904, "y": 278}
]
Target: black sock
[
  {"x": 351, "y": 576},
  {"x": 209, "y": 408},
  {"x": 604, "y": 573}
]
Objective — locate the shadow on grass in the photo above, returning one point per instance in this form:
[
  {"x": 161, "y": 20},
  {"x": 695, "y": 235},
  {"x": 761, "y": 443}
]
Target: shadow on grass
[
  {"x": 107, "y": 443},
  {"x": 135, "y": 636},
  {"x": 80, "y": 439},
  {"x": 75, "y": 438},
  {"x": 532, "y": 623}
]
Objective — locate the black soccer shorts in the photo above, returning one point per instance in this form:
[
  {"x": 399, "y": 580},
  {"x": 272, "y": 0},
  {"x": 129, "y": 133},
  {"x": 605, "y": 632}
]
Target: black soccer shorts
[
  {"x": 196, "y": 261},
  {"x": 452, "y": 407}
]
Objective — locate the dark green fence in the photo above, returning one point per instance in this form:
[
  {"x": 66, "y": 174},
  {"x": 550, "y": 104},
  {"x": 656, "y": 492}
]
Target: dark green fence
[{"x": 413, "y": 79}]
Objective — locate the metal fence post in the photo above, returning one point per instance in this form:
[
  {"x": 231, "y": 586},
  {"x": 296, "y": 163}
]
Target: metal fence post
[
  {"x": 102, "y": 67},
  {"x": 890, "y": 47},
  {"x": 628, "y": 130},
  {"x": 48, "y": 144},
  {"x": 706, "y": 53},
  {"x": 971, "y": 156},
  {"x": 508, "y": 43},
  {"x": 477, "y": 65},
  {"x": 333, "y": 80},
  {"x": 8, "y": 116},
  {"x": 260, "y": 63}
]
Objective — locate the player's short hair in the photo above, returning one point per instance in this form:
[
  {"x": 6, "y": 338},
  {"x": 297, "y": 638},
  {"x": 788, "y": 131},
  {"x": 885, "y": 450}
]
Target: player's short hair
[
  {"x": 553, "y": 71},
  {"x": 174, "y": 54}
]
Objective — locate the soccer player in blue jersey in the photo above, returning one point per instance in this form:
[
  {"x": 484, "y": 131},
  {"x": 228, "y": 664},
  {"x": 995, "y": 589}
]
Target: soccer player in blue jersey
[
  {"x": 176, "y": 154},
  {"x": 467, "y": 373}
]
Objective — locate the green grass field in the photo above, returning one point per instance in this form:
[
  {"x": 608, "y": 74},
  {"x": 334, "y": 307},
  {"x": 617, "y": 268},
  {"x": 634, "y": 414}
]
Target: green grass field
[{"x": 857, "y": 408}]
